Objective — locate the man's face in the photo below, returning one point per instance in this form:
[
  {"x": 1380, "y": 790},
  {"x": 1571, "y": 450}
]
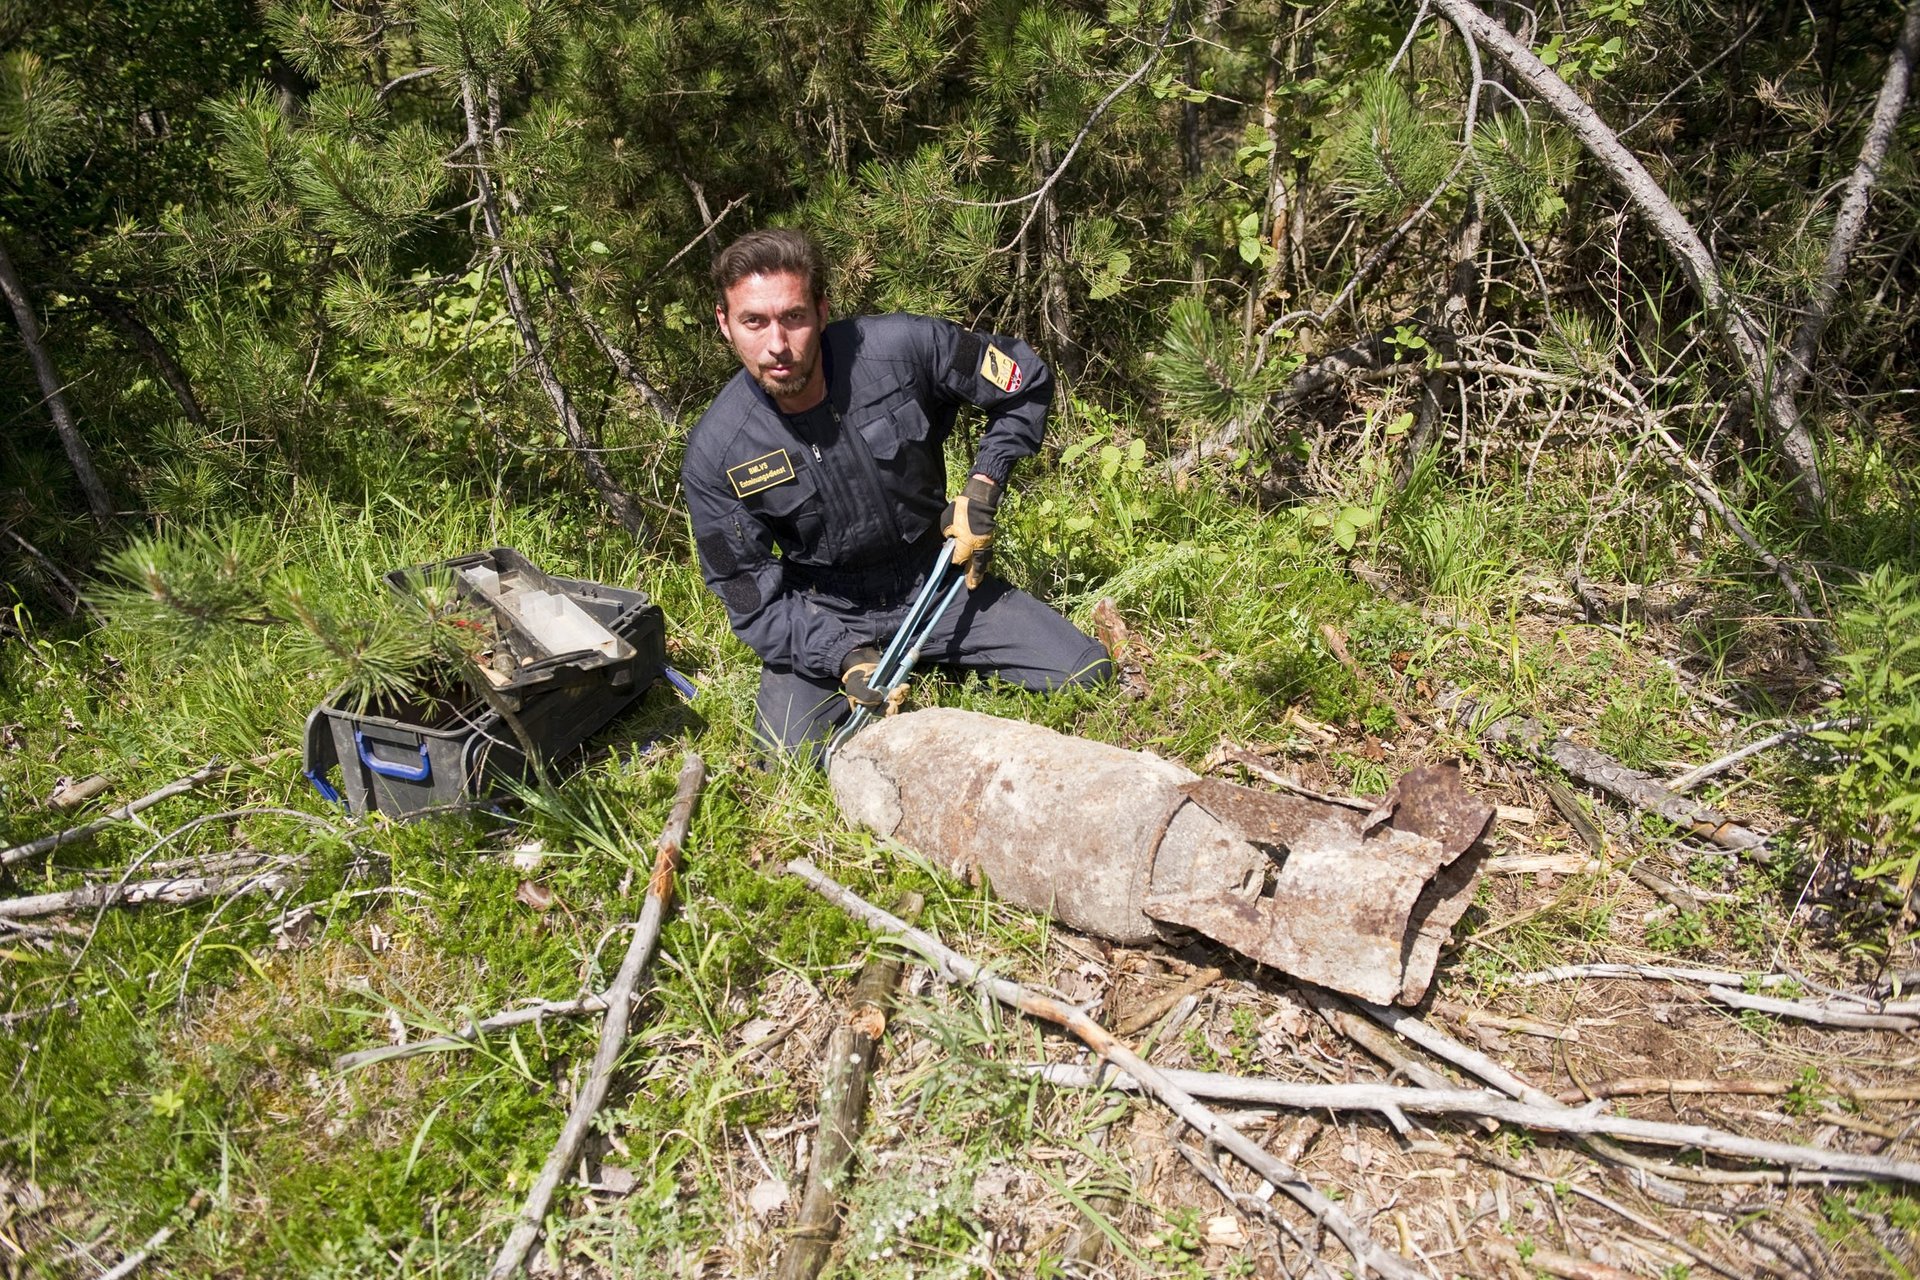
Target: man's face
[{"x": 774, "y": 327}]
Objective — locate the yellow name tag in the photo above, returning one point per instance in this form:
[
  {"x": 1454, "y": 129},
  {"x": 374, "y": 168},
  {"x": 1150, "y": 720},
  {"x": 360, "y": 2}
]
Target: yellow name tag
[{"x": 763, "y": 472}]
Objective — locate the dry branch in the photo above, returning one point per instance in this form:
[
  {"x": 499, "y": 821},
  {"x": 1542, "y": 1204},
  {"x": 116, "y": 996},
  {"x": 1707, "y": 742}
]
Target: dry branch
[
  {"x": 1694, "y": 777},
  {"x": 1636, "y": 788},
  {"x": 845, "y": 1070},
  {"x": 468, "y": 1036},
  {"x": 613, "y": 1031},
  {"x": 179, "y": 786},
  {"x": 1150, "y": 1012},
  {"x": 1745, "y": 337},
  {"x": 1656, "y": 1086},
  {"x": 1546, "y": 1115},
  {"x": 171, "y": 890},
  {"x": 957, "y": 968},
  {"x": 155, "y": 1242},
  {"x": 1852, "y": 218}
]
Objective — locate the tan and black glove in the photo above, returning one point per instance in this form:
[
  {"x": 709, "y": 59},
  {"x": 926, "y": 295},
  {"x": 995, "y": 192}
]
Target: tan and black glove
[
  {"x": 855, "y": 670},
  {"x": 969, "y": 521}
]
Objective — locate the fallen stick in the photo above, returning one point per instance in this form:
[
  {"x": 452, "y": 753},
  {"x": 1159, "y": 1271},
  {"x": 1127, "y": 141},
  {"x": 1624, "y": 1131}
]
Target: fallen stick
[
  {"x": 845, "y": 1070},
  {"x": 1641, "y": 790},
  {"x": 613, "y": 1031},
  {"x": 135, "y": 1260},
  {"x": 1548, "y": 1116},
  {"x": 1149, "y": 1013},
  {"x": 172, "y": 890},
  {"x": 1694, "y": 777},
  {"x": 1823, "y": 1015},
  {"x": 468, "y": 1036},
  {"x": 957, "y": 968},
  {"x": 1655, "y": 1086},
  {"x": 78, "y": 793},
  {"x": 179, "y": 786},
  {"x": 1563, "y": 1265}
]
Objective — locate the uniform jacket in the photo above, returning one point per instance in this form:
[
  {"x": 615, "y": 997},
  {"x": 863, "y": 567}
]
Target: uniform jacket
[{"x": 862, "y": 492}]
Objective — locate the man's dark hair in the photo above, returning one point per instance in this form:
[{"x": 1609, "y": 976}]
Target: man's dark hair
[{"x": 770, "y": 252}]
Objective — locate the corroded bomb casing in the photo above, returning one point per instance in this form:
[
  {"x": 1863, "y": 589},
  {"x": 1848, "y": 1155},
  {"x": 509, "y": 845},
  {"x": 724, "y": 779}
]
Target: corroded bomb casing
[
  {"x": 1355, "y": 895},
  {"x": 1084, "y": 831}
]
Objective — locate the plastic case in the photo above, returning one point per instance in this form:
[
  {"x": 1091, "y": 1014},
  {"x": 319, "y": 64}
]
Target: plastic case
[{"x": 456, "y": 751}]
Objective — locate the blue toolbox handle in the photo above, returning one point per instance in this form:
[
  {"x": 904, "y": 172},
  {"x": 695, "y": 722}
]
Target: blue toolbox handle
[
  {"x": 318, "y": 778},
  {"x": 386, "y": 770}
]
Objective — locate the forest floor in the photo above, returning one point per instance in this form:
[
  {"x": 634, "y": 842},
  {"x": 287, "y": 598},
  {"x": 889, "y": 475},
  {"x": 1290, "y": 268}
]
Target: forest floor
[{"x": 175, "y": 1066}]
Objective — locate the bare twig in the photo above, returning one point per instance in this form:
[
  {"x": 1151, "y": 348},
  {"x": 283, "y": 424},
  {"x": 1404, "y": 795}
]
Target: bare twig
[
  {"x": 613, "y": 1031},
  {"x": 1546, "y": 1115},
  {"x": 955, "y": 967},
  {"x": 845, "y": 1069},
  {"x": 466, "y": 1037},
  {"x": 1694, "y": 777},
  {"x": 1852, "y": 217},
  {"x": 155, "y": 1242},
  {"x": 1819, "y": 1013},
  {"x": 172, "y": 891},
  {"x": 211, "y": 770},
  {"x": 1150, "y": 1012},
  {"x": 1655, "y": 1086},
  {"x": 1745, "y": 336}
]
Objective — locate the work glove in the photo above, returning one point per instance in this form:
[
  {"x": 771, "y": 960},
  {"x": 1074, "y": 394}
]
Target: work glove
[
  {"x": 855, "y": 670},
  {"x": 969, "y": 521}
]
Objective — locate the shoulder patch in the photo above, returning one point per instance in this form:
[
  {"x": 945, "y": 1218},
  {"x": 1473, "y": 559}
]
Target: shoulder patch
[
  {"x": 763, "y": 472},
  {"x": 997, "y": 367}
]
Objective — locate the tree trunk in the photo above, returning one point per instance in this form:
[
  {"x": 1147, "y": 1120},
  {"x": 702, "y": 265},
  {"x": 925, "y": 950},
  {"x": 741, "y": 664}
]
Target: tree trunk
[
  {"x": 53, "y": 392},
  {"x": 618, "y": 501},
  {"x": 144, "y": 340},
  {"x": 1744, "y": 336}
]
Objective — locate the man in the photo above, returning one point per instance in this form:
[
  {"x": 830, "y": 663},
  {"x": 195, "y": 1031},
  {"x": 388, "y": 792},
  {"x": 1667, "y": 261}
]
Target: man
[{"x": 827, "y": 448}]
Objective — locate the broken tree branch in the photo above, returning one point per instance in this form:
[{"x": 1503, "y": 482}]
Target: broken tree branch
[
  {"x": 1694, "y": 777},
  {"x": 468, "y": 1036},
  {"x": 613, "y": 1031},
  {"x": 1655, "y": 1086},
  {"x": 1547, "y": 1115},
  {"x": 957, "y": 968},
  {"x": 172, "y": 891},
  {"x": 845, "y": 1070},
  {"x": 155, "y": 1242},
  {"x": 212, "y": 769},
  {"x": 1745, "y": 337},
  {"x": 1852, "y": 217},
  {"x": 1641, "y": 790}
]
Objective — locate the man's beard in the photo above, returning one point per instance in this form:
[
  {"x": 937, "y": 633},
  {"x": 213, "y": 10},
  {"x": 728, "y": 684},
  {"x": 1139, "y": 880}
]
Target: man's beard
[{"x": 790, "y": 384}]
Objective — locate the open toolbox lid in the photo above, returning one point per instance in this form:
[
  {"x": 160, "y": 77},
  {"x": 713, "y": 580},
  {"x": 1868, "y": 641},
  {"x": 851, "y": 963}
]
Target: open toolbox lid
[{"x": 546, "y": 629}]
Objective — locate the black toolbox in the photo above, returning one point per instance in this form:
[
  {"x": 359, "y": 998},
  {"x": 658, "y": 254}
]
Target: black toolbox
[{"x": 459, "y": 747}]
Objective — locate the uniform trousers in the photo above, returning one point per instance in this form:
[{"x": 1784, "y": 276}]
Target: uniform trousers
[{"x": 996, "y": 629}]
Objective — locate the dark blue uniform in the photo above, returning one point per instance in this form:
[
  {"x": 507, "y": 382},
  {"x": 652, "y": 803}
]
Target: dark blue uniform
[{"x": 849, "y": 495}]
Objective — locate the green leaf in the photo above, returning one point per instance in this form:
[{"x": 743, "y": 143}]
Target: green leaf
[
  {"x": 598, "y": 247},
  {"x": 1400, "y": 425}
]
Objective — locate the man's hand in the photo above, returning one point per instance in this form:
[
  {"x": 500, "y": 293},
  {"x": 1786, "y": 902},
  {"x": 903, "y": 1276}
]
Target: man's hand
[
  {"x": 969, "y": 521},
  {"x": 855, "y": 670}
]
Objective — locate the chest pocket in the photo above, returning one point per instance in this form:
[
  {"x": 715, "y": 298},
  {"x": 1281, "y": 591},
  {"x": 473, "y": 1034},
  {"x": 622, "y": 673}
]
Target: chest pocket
[{"x": 792, "y": 511}]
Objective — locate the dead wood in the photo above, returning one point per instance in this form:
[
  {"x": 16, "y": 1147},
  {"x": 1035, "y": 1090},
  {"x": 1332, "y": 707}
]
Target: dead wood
[
  {"x": 1659, "y": 1086},
  {"x": 613, "y": 1030},
  {"x": 1553, "y": 1263},
  {"x": 1819, "y": 1013},
  {"x": 135, "y": 1260},
  {"x": 846, "y": 1068},
  {"x": 75, "y": 794},
  {"x": 179, "y": 786},
  {"x": 1852, "y": 217},
  {"x": 616, "y": 355},
  {"x": 1744, "y": 336},
  {"x": 1546, "y": 1115},
  {"x": 1694, "y": 777},
  {"x": 955, "y": 967},
  {"x": 53, "y": 392},
  {"x": 171, "y": 890},
  {"x": 1149, "y": 1013},
  {"x": 1639, "y": 789},
  {"x": 468, "y": 1036}
]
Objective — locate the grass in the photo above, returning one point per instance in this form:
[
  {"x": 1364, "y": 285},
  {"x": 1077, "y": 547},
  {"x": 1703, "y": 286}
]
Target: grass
[{"x": 125, "y": 1107}]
